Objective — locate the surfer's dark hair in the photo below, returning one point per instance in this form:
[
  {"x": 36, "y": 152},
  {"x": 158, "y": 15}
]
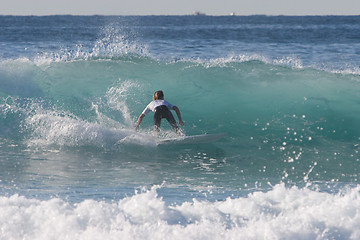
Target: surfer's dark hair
[{"x": 158, "y": 95}]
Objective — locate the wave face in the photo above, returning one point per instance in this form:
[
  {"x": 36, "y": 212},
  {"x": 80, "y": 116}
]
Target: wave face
[
  {"x": 285, "y": 90},
  {"x": 277, "y": 116}
]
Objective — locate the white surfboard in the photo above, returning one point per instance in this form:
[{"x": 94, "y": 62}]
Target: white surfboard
[{"x": 194, "y": 139}]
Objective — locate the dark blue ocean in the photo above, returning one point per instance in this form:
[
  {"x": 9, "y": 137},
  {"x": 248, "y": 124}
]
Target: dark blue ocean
[{"x": 285, "y": 91}]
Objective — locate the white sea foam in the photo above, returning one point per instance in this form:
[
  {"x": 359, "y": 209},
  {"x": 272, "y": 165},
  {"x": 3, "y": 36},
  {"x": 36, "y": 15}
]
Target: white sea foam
[
  {"x": 289, "y": 61},
  {"x": 282, "y": 213},
  {"x": 52, "y": 128}
]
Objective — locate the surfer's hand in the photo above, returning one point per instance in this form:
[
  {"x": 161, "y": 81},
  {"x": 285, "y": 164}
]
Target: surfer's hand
[{"x": 181, "y": 123}]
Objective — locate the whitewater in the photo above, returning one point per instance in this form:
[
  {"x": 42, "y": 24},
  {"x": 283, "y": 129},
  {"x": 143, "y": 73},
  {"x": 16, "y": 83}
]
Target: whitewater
[{"x": 284, "y": 90}]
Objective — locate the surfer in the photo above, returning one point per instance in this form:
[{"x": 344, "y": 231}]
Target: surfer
[{"x": 161, "y": 109}]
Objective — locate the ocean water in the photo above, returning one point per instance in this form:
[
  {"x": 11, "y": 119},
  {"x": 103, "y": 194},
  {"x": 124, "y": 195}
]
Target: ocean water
[{"x": 285, "y": 90}]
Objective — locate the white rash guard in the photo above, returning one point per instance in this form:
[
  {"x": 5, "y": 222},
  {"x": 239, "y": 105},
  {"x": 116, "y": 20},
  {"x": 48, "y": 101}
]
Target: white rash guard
[{"x": 156, "y": 103}]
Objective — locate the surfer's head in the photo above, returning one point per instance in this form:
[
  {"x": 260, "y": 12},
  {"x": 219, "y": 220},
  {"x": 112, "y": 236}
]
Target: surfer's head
[{"x": 158, "y": 95}]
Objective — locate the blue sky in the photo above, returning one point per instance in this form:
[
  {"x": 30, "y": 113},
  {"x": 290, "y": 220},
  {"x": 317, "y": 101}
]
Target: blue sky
[{"x": 180, "y": 7}]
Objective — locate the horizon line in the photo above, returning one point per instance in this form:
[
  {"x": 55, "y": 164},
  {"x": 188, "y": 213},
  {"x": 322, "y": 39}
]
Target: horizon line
[{"x": 180, "y": 15}]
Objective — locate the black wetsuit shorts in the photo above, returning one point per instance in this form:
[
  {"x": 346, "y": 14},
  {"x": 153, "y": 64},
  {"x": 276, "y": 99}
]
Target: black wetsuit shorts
[{"x": 163, "y": 112}]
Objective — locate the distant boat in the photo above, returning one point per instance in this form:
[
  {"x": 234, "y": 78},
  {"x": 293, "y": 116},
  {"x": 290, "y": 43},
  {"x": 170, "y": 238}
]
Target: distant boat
[
  {"x": 197, "y": 13},
  {"x": 232, "y": 14}
]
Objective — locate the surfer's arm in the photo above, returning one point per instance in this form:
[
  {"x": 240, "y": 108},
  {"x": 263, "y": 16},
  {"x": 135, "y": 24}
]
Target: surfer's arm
[
  {"x": 176, "y": 109},
  {"x": 139, "y": 121}
]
